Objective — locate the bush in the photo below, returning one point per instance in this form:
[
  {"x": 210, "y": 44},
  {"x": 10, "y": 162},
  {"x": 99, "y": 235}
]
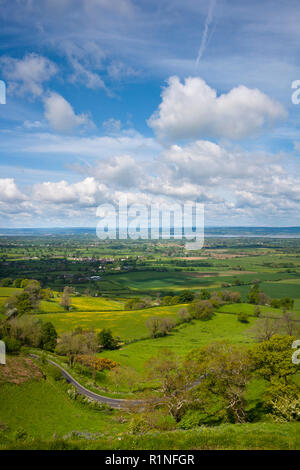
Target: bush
[
  {"x": 145, "y": 422},
  {"x": 12, "y": 344},
  {"x": 139, "y": 425},
  {"x": 191, "y": 419},
  {"x": 96, "y": 363},
  {"x": 286, "y": 409},
  {"x": 243, "y": 317}
]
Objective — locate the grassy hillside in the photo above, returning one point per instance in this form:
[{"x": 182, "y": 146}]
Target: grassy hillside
[
  {"x": 183, "y": 339},
  {"x": 42, "y": 409}
]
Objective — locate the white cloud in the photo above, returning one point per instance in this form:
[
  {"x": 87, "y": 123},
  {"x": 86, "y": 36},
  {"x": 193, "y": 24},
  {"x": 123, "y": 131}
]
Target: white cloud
[
  {"x": 9, "y": 191},
  {"x": 83, "y": 192},
  {"x": 27, "y": 75},
  {"x": 112, "y": 125},
  {"x": 192, "y": 110},
  {"x": 61, "y": 115},
  {"x": 122, "y": 171}
]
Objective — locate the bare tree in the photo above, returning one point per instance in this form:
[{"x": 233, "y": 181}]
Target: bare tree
[
  {"x": 153, "y": 324},
  {"x": 264, "y": 328},
  {"x": 184, "y": 315},
  {"x": 289, "y": 325}
]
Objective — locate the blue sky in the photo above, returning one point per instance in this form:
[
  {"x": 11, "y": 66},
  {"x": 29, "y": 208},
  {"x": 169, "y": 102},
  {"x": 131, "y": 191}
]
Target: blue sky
[{"x": 160, "y": 100}]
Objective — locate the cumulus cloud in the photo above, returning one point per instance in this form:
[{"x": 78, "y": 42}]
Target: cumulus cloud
[
  {"x": 27, "y": 75},
  {"x": 122, "y": 171},
  {"x": 60, "y": 114},
  {"x": 83, "y": 192},
  {"x": 193, "y": 110},
  {"x": 9, "y": 191}
]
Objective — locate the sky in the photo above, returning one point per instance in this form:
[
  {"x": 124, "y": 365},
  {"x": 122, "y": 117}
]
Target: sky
[{"x": 159, "y": 100}]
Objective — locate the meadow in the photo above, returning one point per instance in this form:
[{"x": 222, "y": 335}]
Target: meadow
[
  {"x": 42, "y": 408},
  {"x": 128, "y": 325}
]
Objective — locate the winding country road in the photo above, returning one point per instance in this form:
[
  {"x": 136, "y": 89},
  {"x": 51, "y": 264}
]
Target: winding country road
[{"x": 113, "y": 402}]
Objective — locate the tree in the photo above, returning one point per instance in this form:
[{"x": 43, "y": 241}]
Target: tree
[
  {"x": 225, "y": 370},
  {"x": 160, "y": 326},
  {"x": 124, "y": 377},
  {"x": 65, "y": 300},
  {"x": 153, "y": 324},
  {"x": 49, "y": 337},
  {"x": 12, "y": 345},
  {"x": 184, "y": 315},
  {"x": 167, "y": 324},
  {"x": 201, "y": 309},
  {"x": 33, "y": 289},
  {"x": 257, "y": 297},
  {"x": 106, "y": 339},
  {"x": 272, "y": 361},
  {"x": 273, "y": 358},
  {"x": 257, "y": 311},
  {"x": 263, "y": 299},
  {"x": 186, "y": 296},
  {"x": 72, "y": 344},
  {"x": 6, "y": 282},
  {"x": 263, "y": 329},
  {"x": 288, "y": 324},
  {"x": 205, "y": 294},
  {"x": 46, "y": 294},
  {"x": 253, "y": 294},
  {"x": 17, "y": 283},
  {"x": 285, "y": 303},
  {"x": 134, "y": 304},
  {"x": 27, "y": 329},
  {"x": 22, "y": 302},
  {"x": 174, "y": 380}
]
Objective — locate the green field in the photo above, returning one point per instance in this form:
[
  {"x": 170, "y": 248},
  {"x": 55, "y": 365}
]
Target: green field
[
  {"x": 42, "y": 408},
  {"x": 126, "y": 324},
  {"x": 8, "y": 291},
  {"x": 183, "y": 339}
]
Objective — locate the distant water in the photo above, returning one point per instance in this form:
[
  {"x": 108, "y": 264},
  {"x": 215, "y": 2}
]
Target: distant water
[{"x": 215, "y": 232}]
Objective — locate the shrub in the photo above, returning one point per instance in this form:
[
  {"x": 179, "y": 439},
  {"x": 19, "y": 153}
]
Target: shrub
[
  {"x": 12, "y": 344},
  {"x": 94, "y": 362},
  {"x": 286, "y": 409},
  {"x": 243, "y": 317}
]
